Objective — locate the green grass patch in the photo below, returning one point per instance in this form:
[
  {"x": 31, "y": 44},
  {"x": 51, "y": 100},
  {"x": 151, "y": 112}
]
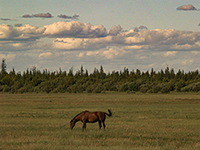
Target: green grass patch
[{"x": 139, "y": 121}]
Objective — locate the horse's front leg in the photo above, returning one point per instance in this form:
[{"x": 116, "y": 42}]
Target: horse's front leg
[{"x": 84, "y": 125}]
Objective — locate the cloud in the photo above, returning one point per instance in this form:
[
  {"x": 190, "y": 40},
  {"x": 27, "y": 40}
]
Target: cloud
[
  {"x": 43, "y": 15},
  {"x": 26, "y": 32},
  {"x": 74, "y": 29},
  {"x": 7, "y": 19},
  {"x": 186, "y": 7},
  {"x": 163, "y": 39},
  {"x": 68, "y": 17},
  {"x": 27, "y": 16},
  {"x": 45, "y": 55},
  {"x": 187, "y": 62},
  {"x": 170, "y": 53},
  {"x": 19, "y": 37},
  {"x": 18, "y": 25},
  {"x": 109, "y": 53},
  {"x": 115, "y": 30},
  {"x": 79, "y": 43},
  {"x": 142, "y": 27},
  {"x": 8, "y": 57},
  {"x": 18, "y": 46},
  {"x": 40, "y": 15},
  {"x": 48, "y": 15}
]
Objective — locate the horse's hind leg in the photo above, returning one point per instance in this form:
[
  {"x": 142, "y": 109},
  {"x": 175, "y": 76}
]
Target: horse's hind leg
[
  {"x": 103, "y": 124},
  {"x": 100, "y": 125}
]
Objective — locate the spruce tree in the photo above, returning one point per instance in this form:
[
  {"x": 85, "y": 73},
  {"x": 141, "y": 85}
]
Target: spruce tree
[{"x": 3, "y": 67}]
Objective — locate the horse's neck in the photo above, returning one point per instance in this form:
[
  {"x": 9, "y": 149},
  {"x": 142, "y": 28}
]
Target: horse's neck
[{"x": 77, "y": 119}]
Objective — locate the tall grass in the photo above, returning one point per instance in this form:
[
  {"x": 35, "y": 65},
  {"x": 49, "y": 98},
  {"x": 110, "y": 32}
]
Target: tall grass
[{"x": 148, "y": 121}]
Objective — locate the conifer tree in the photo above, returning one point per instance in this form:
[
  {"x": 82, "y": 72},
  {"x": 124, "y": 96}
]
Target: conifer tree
[{"x": 3, "y": 67}]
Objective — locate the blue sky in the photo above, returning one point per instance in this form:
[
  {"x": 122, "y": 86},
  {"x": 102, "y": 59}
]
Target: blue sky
[{"x": 137, "y": 34}]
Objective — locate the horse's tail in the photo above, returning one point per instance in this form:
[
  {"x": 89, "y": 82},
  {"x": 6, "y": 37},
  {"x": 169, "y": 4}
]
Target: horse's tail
[{"x": 110, "y": 113}]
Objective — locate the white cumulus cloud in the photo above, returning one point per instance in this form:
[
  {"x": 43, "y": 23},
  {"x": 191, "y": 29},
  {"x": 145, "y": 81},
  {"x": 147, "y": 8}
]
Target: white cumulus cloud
[
  {"x": 26, "y": 32},
  {"x": 74, "y": 29}
]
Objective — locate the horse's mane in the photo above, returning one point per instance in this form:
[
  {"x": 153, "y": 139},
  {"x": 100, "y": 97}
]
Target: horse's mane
[{"x": 78, "y": 114}]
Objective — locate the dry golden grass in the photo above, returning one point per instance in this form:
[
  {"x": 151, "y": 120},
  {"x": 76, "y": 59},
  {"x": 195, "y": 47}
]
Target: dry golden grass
[{"x": 139, "y": 121}]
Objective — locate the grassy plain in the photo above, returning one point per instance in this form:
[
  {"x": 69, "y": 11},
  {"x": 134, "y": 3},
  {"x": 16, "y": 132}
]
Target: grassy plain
[{"x": 139, "y": 121}]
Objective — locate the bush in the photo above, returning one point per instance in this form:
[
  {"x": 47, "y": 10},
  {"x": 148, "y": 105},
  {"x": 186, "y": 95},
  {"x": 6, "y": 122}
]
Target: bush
[
  {"x": 114, "y": 88},
  {"x": 47, "y": 88},
  {"x": 156, "y": 88},
  {"x": 194, "y": 87},
  {"x": 166, "y": 88},
  {"x": 97, "y": 89},
  {"x": 124, "y": 87},
  {"x": 179, "y": 85},
  {"x": 107, "y": 85},
  {"x": 16, "y": 86},
  {"x": 144, "y": 88},
  {"x": 133, "y": 86},
  {"x": 5, "y": 88},
  {"x": 26, "y": 88}
]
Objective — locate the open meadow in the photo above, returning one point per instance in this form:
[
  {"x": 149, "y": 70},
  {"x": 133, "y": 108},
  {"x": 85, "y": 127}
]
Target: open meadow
[{"x": 139, "y": 121}]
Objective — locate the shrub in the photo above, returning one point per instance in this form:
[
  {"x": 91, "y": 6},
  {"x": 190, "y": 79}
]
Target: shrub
[
  {"x": 166, "y": 88},
  {"x": 107, "y": 86},
  {"x": 124, "y": 87},
  {"x": 144, "y": 88},
  {"x": 5, "y": 88},
  {"x": 16, "y": 86},
  {"x": 26, "y": 88},
  {"x": 97, "y": 89},
  {"x": 133, "y": 86},
  {"x": 194, "y": 87},
  {"x": 156, "y": 88},
  {"x": 179, "y": 85},
  {"x": 114, "y": 88}
]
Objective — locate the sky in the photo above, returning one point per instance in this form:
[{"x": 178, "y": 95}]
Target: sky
[{"x": 136, "y": 34}]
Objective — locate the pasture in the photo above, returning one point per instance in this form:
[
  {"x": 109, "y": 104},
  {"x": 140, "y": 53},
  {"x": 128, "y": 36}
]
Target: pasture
[{"x": 139, "y": 121}]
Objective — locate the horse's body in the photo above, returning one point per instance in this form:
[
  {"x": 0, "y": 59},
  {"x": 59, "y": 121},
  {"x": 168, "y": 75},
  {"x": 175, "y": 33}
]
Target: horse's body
[{"x": 90, "y": 117}]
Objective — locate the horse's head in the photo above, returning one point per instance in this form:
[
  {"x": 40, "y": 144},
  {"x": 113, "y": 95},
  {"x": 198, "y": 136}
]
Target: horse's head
[{"x": 72, "y": 124}]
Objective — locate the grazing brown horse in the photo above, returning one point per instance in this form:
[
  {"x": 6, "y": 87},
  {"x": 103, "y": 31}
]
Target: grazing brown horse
[{"x": 90, "y": 117}]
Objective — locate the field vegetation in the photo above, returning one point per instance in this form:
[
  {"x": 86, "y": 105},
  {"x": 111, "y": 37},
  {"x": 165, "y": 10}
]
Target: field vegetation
[{"x": 139, "y": 121}]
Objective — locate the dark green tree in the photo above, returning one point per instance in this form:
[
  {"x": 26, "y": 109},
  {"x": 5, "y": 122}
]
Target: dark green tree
[{"x": 3, "y": 67}]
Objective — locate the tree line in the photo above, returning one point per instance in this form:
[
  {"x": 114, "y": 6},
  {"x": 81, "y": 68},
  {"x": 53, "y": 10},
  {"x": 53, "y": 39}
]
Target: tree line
[{"x": 34, "y": 80}]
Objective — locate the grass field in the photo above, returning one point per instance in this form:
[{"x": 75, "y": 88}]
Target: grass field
[{"x": 139, "y": 121}]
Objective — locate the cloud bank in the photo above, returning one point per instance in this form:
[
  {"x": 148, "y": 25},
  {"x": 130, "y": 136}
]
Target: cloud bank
[
  {"x": 75, "y": 35},
  {"x": 67, "y": 44}
]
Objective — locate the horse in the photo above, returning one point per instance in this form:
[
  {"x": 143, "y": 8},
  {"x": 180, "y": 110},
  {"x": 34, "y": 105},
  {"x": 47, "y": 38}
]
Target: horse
[{"x": 90, "y": 117}]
